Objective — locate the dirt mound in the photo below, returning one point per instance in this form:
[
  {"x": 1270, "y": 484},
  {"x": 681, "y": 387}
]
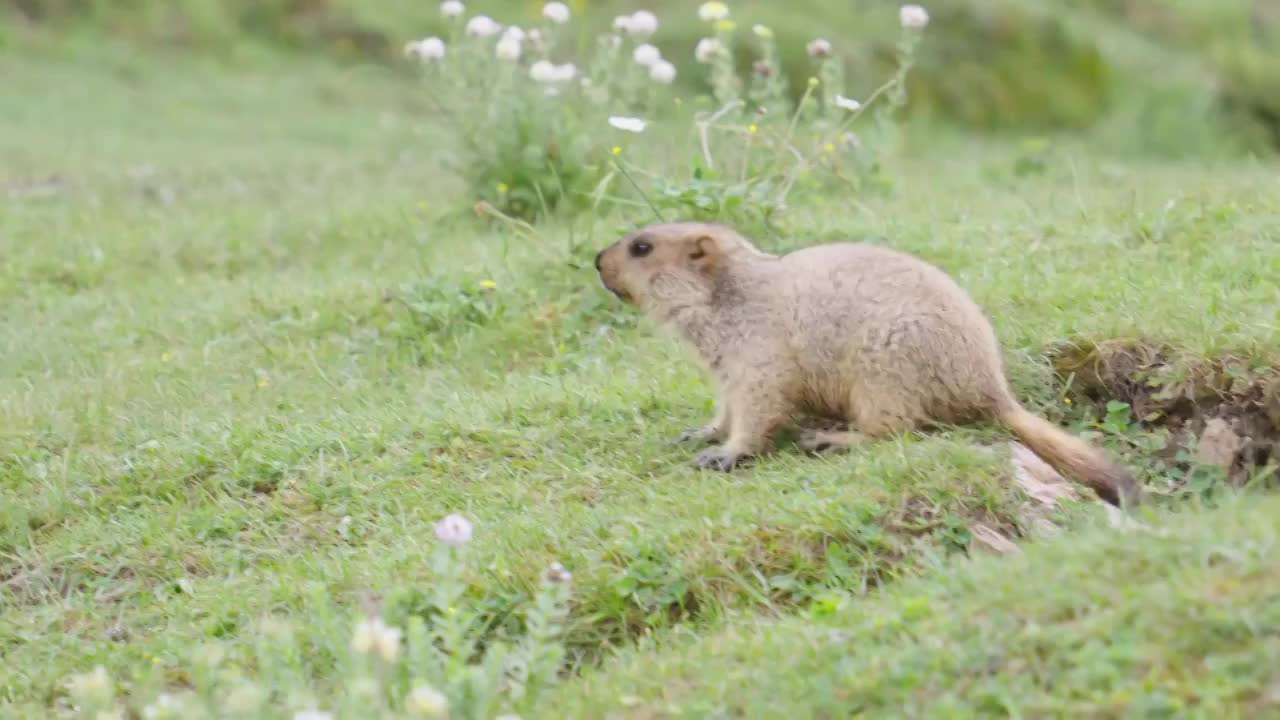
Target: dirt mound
[{"x": 1222, "y": 412}]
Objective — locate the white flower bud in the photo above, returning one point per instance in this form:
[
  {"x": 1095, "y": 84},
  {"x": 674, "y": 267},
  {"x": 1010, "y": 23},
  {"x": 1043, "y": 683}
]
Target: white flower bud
[
  {"x": 556, "y": 12},
  {"x": 646, "y": 55},
  {"x": 662, "y": 72},
  {"x": 913, "y": 16}
]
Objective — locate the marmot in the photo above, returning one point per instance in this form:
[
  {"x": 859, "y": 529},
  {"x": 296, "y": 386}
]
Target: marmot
[{"x": 867, "y": 335}]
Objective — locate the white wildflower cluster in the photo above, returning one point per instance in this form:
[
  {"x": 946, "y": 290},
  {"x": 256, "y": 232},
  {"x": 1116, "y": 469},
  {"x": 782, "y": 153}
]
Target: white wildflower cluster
[
  {"x": 514, "y": 43},
  {"x": 639, "y": 24},
  {"x": 649, "y": 57},
  {"x": 427, "y": 49},
  {"x": 372, "y": 635},
  {"x": 545, "y": 71},
  {"x": 622, "y": 82}
]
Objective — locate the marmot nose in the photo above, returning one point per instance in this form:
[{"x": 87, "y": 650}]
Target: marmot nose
[{"x": 598, "y": 256}]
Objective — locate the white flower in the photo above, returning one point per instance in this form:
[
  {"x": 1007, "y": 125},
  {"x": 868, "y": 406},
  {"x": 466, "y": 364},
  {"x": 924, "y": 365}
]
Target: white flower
[
  {"x": 663, "y": 72},
  {"x": 90, "y": 683},
  {"x": 514, "y": 32},
  {"x": 548, "y": 72},
  {"x": 611, "y": 41},
  {"x": 388, "y": 644},
  {"x": 713, "y": 11},
  {"x": 558, "y": 574},
  {"x": 622, "y": 23},
  {"x": 646, "y": 54},
  {"x": 913, "y": 16},
  {"x": 427, "y": 701},
  {"x": 543, "y": 71},
  {"x": 373, "y": 635},
  {"x": 643, "y": 23},
  {"x": 707, "y": 50},
  {"x": 508, "y": 49},
  {"x": 848, "y": 103},
  {"x": 315, "y": 714},
  {"x": 629, "y": 124},
  {"x": 427, "y": 50},
  {"x": 454, "y": 530},
  {"x": 483, "y": 26},
  {"x": 164, "y": 706},
  {"x": 762, "y": 31},
  {"x": 819, "y": 48},
  {"x": 556, "y": 12},
  {"x": 452, "y": 8},
  {"x": 566, "y": 72}
]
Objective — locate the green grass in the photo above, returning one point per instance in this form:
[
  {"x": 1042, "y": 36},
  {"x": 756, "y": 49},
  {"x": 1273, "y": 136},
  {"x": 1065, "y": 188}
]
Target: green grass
[
  {"x": 242, "y": 307},
  {"x": 1180, "y": 621}
]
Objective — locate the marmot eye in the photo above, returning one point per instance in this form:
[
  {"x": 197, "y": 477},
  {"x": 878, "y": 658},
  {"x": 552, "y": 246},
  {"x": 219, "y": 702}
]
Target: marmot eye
[{"x": 640, "y": 248}]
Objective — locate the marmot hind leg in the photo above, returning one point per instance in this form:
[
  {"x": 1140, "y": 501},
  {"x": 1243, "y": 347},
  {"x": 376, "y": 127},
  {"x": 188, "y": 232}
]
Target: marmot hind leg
[{"x": 829, "y": 441}]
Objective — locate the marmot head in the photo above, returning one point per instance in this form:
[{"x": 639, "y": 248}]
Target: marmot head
[{"x": 664, "y": 264}]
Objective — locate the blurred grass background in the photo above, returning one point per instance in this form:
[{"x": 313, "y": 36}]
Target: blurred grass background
[{"x": 1173, "y": 77}]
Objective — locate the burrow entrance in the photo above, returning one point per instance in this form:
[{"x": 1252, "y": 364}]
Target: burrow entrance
[{"x": 1223, "y": 412}]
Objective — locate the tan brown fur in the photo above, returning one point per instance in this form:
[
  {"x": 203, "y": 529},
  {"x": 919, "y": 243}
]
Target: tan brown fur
[{"x": 867, "y": 335}]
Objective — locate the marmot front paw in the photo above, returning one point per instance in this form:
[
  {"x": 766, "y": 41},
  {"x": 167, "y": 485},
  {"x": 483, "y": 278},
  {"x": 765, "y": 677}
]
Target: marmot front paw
[{"x": 717, "y": 458}]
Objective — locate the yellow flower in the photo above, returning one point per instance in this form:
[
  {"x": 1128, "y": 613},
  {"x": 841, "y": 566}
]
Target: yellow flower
[
  {"x": 166, "y": 357},
  {"x": 726, "y": 26},
  {"x": 813, "y": 82},
  {"x": 617, "y": 151},
  {"x": 829, "y": 147},
  {"x": 713, "y": 11},
  {"x": 502, "y": 188},
  {"x": 488, "y": 284},
  {"x": 1066, "y": 400},
  {"x": 752, "y": 128}
]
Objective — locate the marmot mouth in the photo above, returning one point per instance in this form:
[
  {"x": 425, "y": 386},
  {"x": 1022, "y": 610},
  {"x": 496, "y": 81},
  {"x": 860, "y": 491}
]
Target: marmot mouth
[{"x": 620, "y": 294}]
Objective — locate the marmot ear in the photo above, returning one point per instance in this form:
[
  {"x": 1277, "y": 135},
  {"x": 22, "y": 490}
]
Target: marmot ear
[{"x": 704, "y": 253}]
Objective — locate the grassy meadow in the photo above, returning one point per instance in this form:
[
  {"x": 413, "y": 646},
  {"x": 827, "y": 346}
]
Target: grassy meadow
[{"x": 256, "y": 342}]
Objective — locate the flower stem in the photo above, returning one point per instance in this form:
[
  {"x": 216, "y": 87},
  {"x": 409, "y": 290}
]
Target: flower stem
[{"x": 636, "y": 185}]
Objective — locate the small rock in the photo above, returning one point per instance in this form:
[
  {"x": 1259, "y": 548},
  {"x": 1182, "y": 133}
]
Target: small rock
[
  {"x": 1037, "y": 478},
  {"x": 1218, "y": 444},
  {"x": 993, "y": 540}
]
